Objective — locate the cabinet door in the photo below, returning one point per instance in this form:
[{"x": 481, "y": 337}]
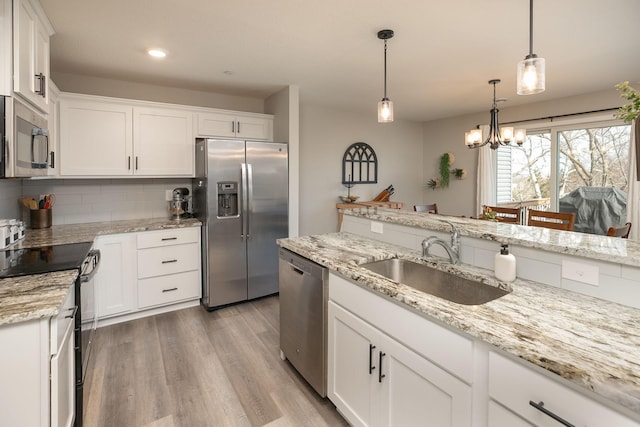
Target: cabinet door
[
  {"x": 116, "y": 278},
  {"x": 350, "y": 350},
  {"x": 31, "y": 54},
  {"x": 6, "y": 48},
  {"x": 211, "y": 124},
  {"x": 54, "y": 129},
  {"x": 254, "y": 128},
  {"x": 417, "y": 392},
  {"x": 63, "y": 382},
  {"x": 96, "y": 138},
  {"x": 163, "y": 143}
]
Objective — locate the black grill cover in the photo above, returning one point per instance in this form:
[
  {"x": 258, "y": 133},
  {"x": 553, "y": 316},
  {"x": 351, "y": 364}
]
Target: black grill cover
[{"x": 596, "y": 208}]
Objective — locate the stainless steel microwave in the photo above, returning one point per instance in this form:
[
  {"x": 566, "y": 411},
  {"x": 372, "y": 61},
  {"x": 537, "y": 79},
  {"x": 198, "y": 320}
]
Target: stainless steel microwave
[{"x": 25, "y": 140}]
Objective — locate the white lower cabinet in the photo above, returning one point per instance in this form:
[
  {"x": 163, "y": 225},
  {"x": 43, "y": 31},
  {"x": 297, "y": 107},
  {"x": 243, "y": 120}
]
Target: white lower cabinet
[
  {"x": 117, "y": 275},
  {"x": 514, "y": 388},
  {"x": 375, "y": 380},
  {"x": 145, "y": 271},
  {"x": 37, "y": 370}
]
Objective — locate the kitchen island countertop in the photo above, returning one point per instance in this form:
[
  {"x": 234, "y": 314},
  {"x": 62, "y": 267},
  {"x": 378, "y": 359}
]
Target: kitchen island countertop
[
  {"x": 593, "y": 246},
  {"x": 41, "y": 295},
  {"x": 588, "y": 341}
]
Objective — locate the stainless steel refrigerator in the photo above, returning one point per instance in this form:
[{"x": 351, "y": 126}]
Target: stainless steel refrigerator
[{"x": 240, "y": 193}]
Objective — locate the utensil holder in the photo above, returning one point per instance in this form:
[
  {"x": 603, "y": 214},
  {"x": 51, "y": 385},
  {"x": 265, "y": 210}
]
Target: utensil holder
[{"x": 40, "y": 218}]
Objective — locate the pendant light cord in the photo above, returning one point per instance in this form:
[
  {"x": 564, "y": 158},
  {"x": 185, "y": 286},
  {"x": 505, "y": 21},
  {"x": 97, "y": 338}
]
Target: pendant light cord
[
  {"x": 530, "y": 28},
  {"x": 385, "y": 69}
]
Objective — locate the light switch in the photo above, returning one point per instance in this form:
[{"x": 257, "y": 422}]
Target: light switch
[
  {"x": 580, "y": 272},
  {"x": 168, "y": 195},
  {"x": 376, "y": 227}
]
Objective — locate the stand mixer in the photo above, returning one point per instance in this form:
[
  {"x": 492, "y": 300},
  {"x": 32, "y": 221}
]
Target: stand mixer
[{"x": 179, "y": 204}]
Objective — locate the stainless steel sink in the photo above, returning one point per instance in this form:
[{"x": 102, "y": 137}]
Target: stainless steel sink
[{"x": 435, "y": 282}]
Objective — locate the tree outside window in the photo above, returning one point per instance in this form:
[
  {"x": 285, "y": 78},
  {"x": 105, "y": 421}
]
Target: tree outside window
[{"x": 594, "y": 156}]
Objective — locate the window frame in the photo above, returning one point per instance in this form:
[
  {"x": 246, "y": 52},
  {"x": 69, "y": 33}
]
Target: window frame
[{"x": 553, "y": 127}]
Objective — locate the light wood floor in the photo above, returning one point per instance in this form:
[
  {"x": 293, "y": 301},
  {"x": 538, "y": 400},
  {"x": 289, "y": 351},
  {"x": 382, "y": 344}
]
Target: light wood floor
[{"x": 195, "y": 368}]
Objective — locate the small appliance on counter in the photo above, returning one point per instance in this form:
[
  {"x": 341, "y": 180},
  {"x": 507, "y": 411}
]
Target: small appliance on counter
[{"x": 179, "y": 204}]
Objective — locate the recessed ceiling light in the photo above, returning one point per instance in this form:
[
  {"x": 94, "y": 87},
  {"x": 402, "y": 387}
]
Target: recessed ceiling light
[{"x": 157, "y": 53}]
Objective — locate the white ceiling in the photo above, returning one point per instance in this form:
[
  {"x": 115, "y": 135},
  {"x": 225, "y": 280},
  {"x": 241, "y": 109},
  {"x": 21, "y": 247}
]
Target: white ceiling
[{"x": 439, "y": 61}]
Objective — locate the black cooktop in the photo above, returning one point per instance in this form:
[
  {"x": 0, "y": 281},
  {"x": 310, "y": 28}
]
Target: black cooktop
[{"x": 45, "y": 259}]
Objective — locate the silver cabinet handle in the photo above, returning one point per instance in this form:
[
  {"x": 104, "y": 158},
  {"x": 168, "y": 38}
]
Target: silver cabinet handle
[
  {"x": 169, "y": 290},
  {"x": 169, "y": 261},
  {"x": 164, "y": 239}
]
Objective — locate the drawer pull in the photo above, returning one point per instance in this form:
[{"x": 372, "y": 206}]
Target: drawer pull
[
  {"x": 164, "y": 239},
  {"x": 169, "y": 290},
  {"x": 72, "y": 315},
  {"x": 169, "y": 261},
  {"x": 540, "y": 407},
  {"x": 371, "y": 367},
  {"x": 380, "y": 374}
]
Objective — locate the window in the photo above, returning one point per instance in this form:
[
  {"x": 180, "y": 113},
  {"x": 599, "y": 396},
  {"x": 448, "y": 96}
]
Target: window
[{"x": 558, "y": 166}]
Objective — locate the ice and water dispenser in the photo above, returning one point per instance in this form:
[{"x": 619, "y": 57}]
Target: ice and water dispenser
[{"x": 227, "y": 199}]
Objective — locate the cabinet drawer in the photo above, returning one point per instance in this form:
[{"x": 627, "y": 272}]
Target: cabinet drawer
[
  {"x": 175, "y": 236},
  {"x": 168, "y": 260},
  {"x": 168, "y": 289},
  {"x": 514, "y": 385}
]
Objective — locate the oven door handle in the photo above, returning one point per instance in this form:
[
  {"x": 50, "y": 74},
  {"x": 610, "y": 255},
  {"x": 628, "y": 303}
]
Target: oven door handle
[{"x": 93, "y": 258}]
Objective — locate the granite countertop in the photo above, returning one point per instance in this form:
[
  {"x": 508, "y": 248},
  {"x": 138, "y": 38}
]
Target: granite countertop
[
  {"x": 41, "y": 295},
  {"x": 590, "y": 342},
  {"x": 603, "y": 248},
  {"x": 76, "y": 233},
  {"x": 34, "y": 297}
]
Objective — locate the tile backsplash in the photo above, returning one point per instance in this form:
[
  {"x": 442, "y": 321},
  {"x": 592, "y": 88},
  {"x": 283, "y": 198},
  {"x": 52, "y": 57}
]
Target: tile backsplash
[{"x": 93, "y": 200}]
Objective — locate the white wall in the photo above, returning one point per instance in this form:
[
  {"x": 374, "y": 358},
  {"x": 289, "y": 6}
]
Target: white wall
[
  {"x": 325, "y": 134},
  {"x": 448, "y": 136}
]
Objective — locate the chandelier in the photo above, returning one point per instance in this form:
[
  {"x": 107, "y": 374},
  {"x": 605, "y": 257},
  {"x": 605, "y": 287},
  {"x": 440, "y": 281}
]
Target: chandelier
[{"x": 496, "y": 137}]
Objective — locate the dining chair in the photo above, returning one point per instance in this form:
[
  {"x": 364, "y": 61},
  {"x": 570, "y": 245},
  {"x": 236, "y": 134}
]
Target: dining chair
[
  {"x": 508, "y": 215},
  {"x": 620, "y": 231},
  {"x": 556, "y": 220},
  {"x": 426, "y": 208}
]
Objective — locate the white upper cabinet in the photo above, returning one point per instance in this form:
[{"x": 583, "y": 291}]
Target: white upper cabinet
[
  {"x": 163, "y": 142},
  {"x": 6, "y": 37},
  {"x": 109, "y": 137},
  {"x": 235, "y": 125},
  {"x": 96, "y": 138},
  {"x": 31, "y": 33}
]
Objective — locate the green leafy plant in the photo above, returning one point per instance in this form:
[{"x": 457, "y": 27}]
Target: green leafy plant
[
  {"x": 459, "y": 173},
  {"x": 433, "y": 183},
  {"x": 445, "y": 162},
  {"x": 628, "y": 112}
]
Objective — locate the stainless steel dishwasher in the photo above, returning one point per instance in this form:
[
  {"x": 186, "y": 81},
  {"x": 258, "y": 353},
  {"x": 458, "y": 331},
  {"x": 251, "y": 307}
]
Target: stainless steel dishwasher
[{"x": 303, "y": 317}]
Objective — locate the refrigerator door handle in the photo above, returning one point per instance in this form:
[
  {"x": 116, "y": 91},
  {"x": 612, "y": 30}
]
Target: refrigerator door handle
[
  {"x": 249, "y": 198},
  {"x": 243, "y": 201}
]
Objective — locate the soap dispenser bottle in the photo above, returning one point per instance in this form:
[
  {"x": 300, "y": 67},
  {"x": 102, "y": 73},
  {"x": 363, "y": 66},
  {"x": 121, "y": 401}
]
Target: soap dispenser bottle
[{"x": 504, "y": 266}]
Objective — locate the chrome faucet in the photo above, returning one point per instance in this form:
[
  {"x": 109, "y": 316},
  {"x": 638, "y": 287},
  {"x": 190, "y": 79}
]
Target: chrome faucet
[{"x": 453, "y": 249}]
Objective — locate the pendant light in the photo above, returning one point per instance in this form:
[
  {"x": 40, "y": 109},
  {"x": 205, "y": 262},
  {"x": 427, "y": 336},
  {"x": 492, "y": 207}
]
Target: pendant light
[
  {"x": 531, "y": 68},
  {"x": 497, "y": 137},
  {"x": 385, "y": 107}
]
